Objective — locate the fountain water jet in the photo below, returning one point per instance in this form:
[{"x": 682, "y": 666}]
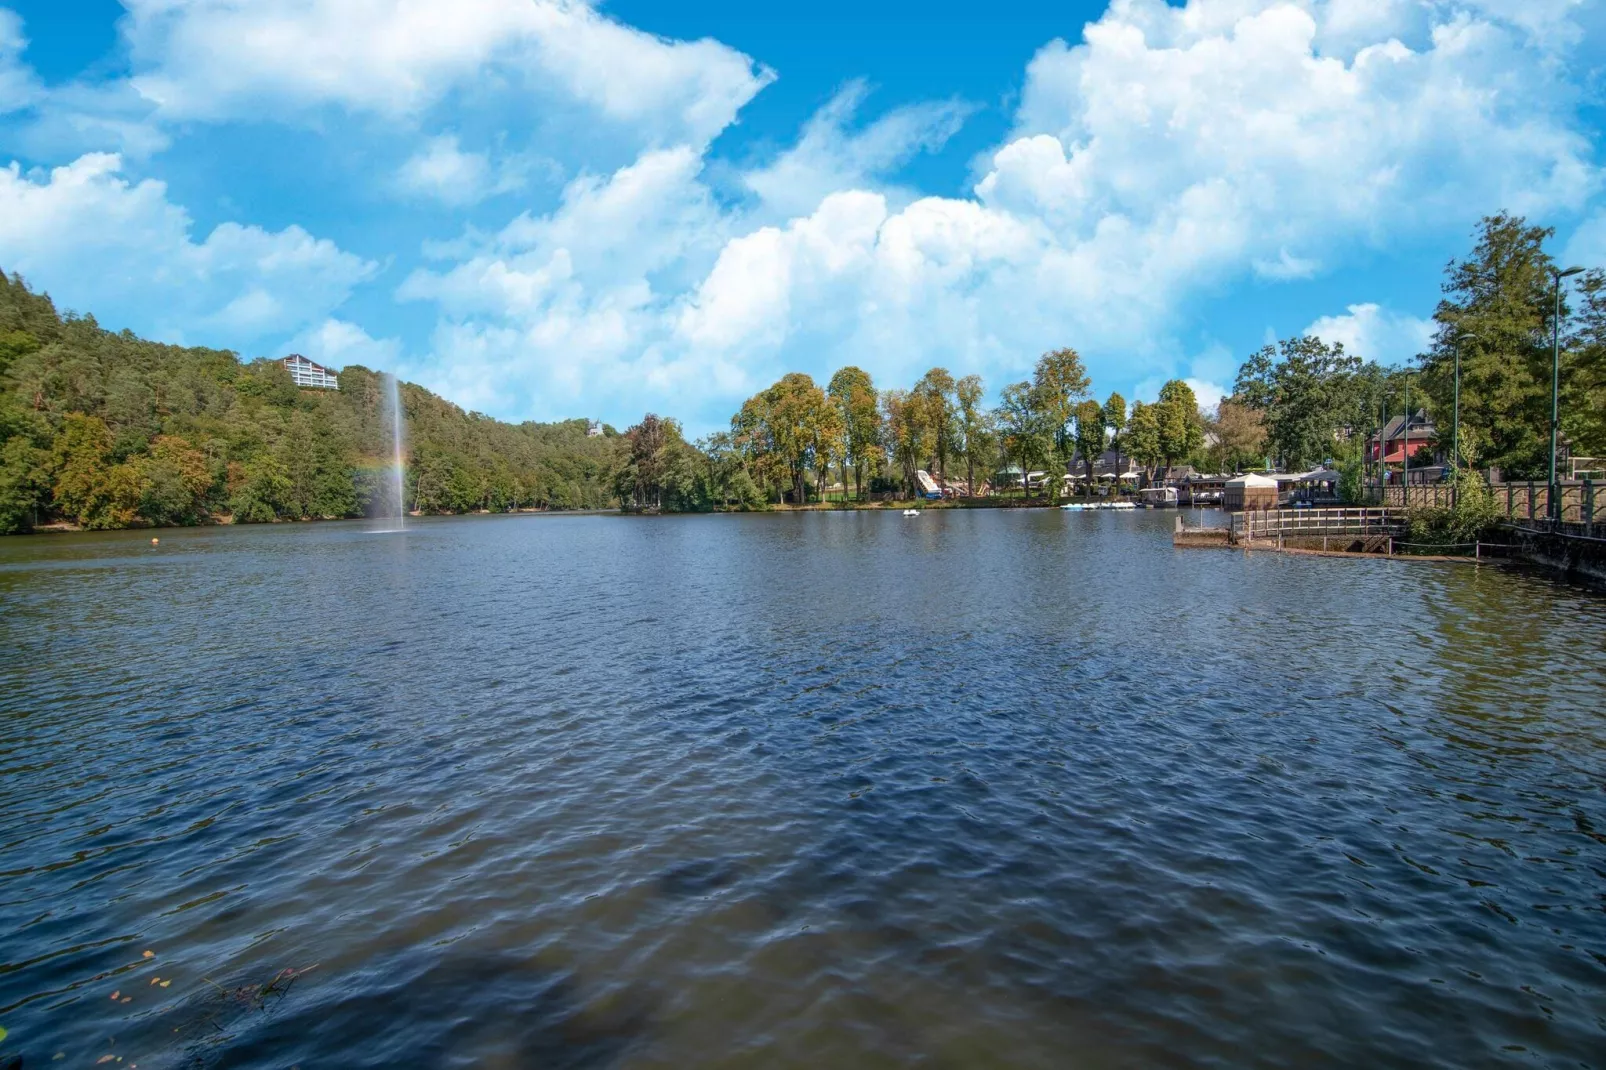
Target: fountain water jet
[{"x": 393, "y": 411}]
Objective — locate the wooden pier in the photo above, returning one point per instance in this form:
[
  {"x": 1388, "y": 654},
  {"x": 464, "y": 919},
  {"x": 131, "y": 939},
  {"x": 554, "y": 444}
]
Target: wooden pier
[
  {"x": 1373, "y": 527},
  {"x": 1355, "y": 529}
]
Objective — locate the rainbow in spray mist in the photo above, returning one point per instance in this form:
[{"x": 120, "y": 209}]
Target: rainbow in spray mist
[{"x": 396, "y": 497}]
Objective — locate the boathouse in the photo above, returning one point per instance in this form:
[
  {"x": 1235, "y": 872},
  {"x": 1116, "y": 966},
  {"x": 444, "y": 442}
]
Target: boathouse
[{"x": 1249, "y": 492}]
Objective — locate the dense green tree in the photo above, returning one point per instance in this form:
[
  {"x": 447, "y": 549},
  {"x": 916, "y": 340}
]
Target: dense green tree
[
  {"x": 721, "y": 461},
  {"x": 658, "y": 470},
  {"x": 1497, "y": 311},
  {"x": 261, "y": 491},
  {"x": 25, "y": 461},
  {"x": 853, "y": 393},
  {"x": 1583, "y": 402},
  {"x": 973, "y": 424},
  {"x": 1115, "y": 420},
  {"x": 90, "y": 486},
  {"x": 1025, "y": 433},
  {"x": 1091, "y": 435},
  {"x": 1309, "y": 395},
  {"x": 904, "y": 429},
  {"x": 1143, "y": 435},
  {"x": 1059, "y": 384},
  {"x": 14, "y": 344},
  {"x": 1178, "y": 421},
  {"x": 176, "y": 482},
  {"x": 939, "y": 409},
  {"x": 778, "y": 428}
]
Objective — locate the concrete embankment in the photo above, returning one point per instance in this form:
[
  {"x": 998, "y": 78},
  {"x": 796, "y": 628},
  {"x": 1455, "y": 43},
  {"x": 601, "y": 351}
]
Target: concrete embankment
[
  {"x": 1574, "y": 555},
  {"x": 1203, "y": 538},
  {"x": 1569, "y": 550}
]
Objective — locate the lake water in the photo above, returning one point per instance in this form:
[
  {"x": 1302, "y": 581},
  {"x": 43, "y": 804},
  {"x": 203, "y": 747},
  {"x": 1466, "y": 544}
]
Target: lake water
[{"x": 977, "y": 789}]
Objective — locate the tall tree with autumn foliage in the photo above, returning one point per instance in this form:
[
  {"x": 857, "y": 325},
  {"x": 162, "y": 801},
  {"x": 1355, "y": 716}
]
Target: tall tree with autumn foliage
[
  {"x": 1240, "y": 435},
  {"x": 853, "y": 393},
  {"x": 935, "y": 391},
  {"x": 973, "y": 424},
  {"x": 1059, "y": 383},
  {"x": 780, "y": 427}
]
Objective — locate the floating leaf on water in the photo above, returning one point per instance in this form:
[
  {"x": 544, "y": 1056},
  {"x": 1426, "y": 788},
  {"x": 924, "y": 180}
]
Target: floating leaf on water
[
  {"x": 116, "y": 994},
  {"x": 58, "y": 1057},
  {"x": 128, "y": 999},
  {"x": 149, "y": 955},
  {"x": 104, "y": 1059},
  {"x": 154, "y": 980},
  {"x": 3, "y": 1033},
  {"x": 165, "y": 984}
]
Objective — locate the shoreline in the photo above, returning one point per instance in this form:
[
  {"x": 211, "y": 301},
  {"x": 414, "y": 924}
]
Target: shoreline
[
  {"x": 66, "y": 527},
  {"x": 63, "y": 527},
  {"x": 1303, "y": 552}
]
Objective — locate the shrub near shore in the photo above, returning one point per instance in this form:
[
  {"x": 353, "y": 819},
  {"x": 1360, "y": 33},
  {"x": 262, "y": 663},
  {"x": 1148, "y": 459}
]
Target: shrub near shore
[{"x": 1470, "y": 520}]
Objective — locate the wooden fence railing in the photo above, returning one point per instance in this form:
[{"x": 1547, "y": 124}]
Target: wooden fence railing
[
  {"x": 1572, "y": 529},
  {"x": 1582, "y": 501},
  {"x": 1272, "y": 523},
  {"x": 1416, "y": 496}
]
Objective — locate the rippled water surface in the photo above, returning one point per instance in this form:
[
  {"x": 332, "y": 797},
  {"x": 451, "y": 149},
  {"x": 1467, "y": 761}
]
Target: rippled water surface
[{"x": 1023, "y": 789}]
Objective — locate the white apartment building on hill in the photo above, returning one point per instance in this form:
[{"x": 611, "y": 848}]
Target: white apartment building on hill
[{"x": 304, "y": 372}]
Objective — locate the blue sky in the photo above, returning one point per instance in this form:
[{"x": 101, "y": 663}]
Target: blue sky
[{"x": 542, "y": 209}]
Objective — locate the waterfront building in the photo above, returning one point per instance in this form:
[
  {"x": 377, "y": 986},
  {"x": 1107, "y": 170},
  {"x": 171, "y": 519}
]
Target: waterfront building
[
  {"x": 1399, "y": 434},
  {"x": 1203, "y": 488},
  {"x": 1318, "y": 487},
  {"x": 1252, "y": 491},
  {"x": 306, "y": 373},
  {"x": 1109, "y": 465}
]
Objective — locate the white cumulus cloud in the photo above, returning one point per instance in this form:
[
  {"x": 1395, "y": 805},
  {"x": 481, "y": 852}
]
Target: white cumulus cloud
[
  {"x": 18, "y": 86},
  {"x": 831, "y": 156},
  {"x": 441, "y": 170},
  {"x": 336, "y": 343},
  {"x": 578, "y": 301},
  {"x": 1173, "y": 152},
  {"x": 1231, "y": 120},
  {"x": 1372, "y": 332},
  {"x": 100, "y": 242},
  {"x": 1587, "y": 245},
  {"x": 218, "y": 59}
]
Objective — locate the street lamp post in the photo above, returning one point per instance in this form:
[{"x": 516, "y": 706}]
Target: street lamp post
[
  {"x": 1455, "y": 428},
  {"x": 1555, "y": 393},
  {"x": 1405, "y": 458}
]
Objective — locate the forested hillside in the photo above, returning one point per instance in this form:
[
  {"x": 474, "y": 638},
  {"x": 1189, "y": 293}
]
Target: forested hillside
[{"x": 108, "y": 430}]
